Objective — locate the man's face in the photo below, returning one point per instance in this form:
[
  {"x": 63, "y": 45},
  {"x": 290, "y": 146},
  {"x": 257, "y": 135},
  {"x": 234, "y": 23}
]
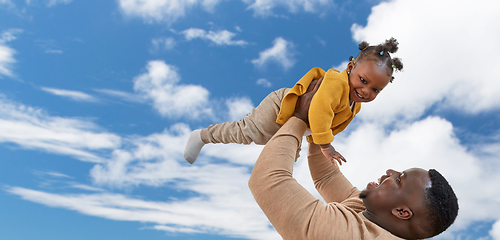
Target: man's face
[{"x": 395, "y": 189}]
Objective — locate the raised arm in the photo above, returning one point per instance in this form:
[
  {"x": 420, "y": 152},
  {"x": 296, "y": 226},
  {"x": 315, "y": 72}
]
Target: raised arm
[
  {"x": 293, "y": 211},
  {"x": 328, "y": 180}
]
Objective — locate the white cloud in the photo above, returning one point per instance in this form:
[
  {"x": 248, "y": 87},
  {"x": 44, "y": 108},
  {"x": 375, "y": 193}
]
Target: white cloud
[
  {"x": 441, "y": 63},
  {"x": 75, "y": 95},
  {"x": 49, "y": 46},
  {"x": 7, "y": 3},
  {"x": 341, "y": 66},
  {"x": 264, "y": 82},
  {"x": 265, "y": 7},
  {"x": 54, "y": 51},
  {"x": 86, "y": 187},
  {"x": 160, "y": 85},
  {"x": 428, "y": 143},
  {"x": 6, "y": 53},
  {"x": 282, "y": 53},
  {"x": 125, "y": 96},
  {"x": 222, "y": 37},
  {"x": 58, "y": 175},
  {"x": 444, "y": 69},
  {"x": 6, "y": 60},
  {"x": 156, "y": 160},
  {"x": 233, "y": 216},
  {"x": 495, "y": 231},
  {"x": 52, "y": 3},
  {"x": 163, "y": 10},
  {"x": 163, "y": 43},
  {"x": 33, "y": 128},
  {"x": 170, "y": 11},
  {"x": 238, "y": 108}
]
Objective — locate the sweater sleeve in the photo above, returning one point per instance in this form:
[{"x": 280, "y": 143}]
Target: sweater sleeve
[
  {"x": 328, "y": 179},
  {"x": 293, "y": 211}
]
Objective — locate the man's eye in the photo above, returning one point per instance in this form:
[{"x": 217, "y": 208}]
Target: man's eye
[
  {"x": 399, "y": 179},
  {"x": 376, "y": 90},
  {"x": 363, "y": 80}
]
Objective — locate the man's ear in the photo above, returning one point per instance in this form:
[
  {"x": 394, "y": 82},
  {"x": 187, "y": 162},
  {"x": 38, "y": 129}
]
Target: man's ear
[{"x": 403, "y": 212}]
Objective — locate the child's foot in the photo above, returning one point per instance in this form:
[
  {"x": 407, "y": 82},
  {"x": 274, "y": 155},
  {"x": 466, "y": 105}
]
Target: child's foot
[{"x": 193, "y": 146}]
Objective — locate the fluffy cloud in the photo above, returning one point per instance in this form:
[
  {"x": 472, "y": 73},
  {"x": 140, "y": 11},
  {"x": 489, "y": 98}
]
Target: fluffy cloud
[
  {"x": 282, "y": 53},
  {"x": 52, "y": 3},
  {"x": 75, "y": 95},
  {"x": 233, "y": 216},
  {"x": 264, "y": 82},
  {"x": 222, "y": 37},
  {"x": 265, "y": 7},
  {"x": 445, "y": 70},
  {"x": 7, "y": 3},
  {"x": 238, "y": 108},
  {"x": 222, "y": 202},
  {"x": 429, "y": 143},
  {"x": 6, "y": 53},
  {"x": 495, "y": 231},
  {"x": 125, "y": 96},
  {"x": 162, "y": 10},
  {"x": 163, "y": 43},
  {"x": 171, "y": 10},
  {"x": 32, "y": 128},
  {"x": 159, "y": 85},
  {"x": 442, "y": 64}
]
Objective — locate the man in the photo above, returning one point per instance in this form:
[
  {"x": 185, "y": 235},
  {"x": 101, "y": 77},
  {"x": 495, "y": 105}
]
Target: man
[{"x": 412, "y": 204}]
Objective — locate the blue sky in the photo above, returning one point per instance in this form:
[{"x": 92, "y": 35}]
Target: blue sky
[{"x": 97, "y": 100}]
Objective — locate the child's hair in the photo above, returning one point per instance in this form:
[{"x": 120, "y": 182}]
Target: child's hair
[{"x": 380, "y": 53}]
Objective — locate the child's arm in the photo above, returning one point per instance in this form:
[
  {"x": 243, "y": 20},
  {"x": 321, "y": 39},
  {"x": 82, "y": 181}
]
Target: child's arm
[{"x": 330, "y": 153}]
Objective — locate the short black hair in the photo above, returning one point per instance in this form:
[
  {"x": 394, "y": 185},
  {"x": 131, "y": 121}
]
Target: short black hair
[
  {"x": 381, "y": 53},
  {"x": 442, "y": 203}
]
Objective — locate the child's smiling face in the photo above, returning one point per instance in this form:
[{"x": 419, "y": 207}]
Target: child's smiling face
[{"x": 366, "y": 80}]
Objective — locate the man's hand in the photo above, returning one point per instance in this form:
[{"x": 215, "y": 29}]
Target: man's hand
[
  {"x": 329, "y": 151},
  {"x": 304, "y": 101}
]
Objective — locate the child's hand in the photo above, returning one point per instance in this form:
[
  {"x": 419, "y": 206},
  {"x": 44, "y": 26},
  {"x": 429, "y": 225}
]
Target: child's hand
[{"x": 331, "y": 154}]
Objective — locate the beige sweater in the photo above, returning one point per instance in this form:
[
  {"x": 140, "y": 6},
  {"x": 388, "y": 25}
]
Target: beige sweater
[{"x": 293, "y": 211}]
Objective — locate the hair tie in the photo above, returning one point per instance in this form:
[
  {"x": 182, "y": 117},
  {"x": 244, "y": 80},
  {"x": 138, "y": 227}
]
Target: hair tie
[
  {"x": 392, "y": 79},
  {"x": 394, "y": 66},
  {"x": 382, "y": 53},
  {"x": 351, "y": 58}
]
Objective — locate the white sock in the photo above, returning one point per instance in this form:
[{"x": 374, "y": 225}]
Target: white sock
[{"x": 193, "y": 146}]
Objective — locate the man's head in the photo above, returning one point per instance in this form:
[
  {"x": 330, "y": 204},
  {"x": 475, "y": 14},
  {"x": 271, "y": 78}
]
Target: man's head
[{"x": 412, "y": 204}]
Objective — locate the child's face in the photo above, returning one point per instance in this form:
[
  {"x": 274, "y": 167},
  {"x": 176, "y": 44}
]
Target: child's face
[{"x": 366, "y": 80}]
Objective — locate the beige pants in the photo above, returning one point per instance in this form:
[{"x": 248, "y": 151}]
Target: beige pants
[{"x": 258, "y": 126}]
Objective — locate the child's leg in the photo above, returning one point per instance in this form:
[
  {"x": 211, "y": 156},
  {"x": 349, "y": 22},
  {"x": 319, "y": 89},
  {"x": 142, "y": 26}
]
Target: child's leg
[{"x": 258, "y": 126}]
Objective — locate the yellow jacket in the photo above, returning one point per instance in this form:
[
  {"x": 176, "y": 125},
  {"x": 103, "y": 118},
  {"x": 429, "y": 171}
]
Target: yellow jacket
[{"x": 329, "y": 112}]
